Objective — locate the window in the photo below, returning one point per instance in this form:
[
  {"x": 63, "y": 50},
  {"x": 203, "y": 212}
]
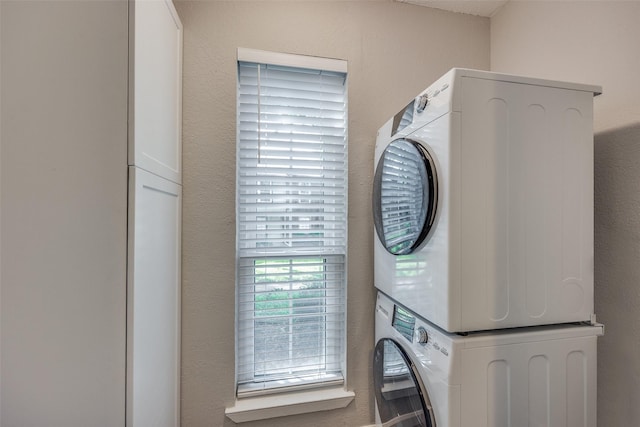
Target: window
[{"x": 291, "y": 222}]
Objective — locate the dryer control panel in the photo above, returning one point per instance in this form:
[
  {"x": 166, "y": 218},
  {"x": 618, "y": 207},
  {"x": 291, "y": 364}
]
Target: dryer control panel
[{"x": 430, "y": 104}]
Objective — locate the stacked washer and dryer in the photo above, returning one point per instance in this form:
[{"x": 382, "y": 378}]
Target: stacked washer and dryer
[{"x": 483, "y": 212}]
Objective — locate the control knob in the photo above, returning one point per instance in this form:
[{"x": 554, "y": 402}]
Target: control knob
[
  {"x": 422, "y": 336},
  {"x": 423, "y": 100}
]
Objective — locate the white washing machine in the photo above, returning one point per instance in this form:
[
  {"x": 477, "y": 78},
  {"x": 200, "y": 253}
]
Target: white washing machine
[
  {"x": 538, "y": 376},
  {"x": 483, "y": 202}
]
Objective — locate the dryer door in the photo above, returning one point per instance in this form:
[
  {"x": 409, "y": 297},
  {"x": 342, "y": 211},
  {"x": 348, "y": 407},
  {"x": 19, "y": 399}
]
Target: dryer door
[
  {"x": 401, "y": 398},
  {"x": 405, "y": 196}
]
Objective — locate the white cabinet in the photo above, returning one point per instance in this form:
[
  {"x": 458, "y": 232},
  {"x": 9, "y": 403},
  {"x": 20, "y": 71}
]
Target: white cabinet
[
  {"x": 155, "y": 42},
  {"x": 75, "y": 332},
  {"x": 153, "y": 319},
  {"x": 155, "y": 203}
]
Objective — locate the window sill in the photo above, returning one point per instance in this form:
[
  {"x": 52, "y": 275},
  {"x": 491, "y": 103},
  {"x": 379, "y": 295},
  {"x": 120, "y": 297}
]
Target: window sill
[{"x": 279, "y": 405}]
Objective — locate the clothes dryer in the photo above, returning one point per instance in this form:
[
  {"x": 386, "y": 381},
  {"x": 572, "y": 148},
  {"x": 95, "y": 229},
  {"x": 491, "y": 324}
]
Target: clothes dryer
[
  {"x": 483, "y": 202},
  {"x": 535, "y": 376}
]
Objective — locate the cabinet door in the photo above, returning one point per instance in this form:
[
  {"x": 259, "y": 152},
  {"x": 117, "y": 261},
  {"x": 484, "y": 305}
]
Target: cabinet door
[
  {"x": 155, "y": 61},
  {"x": 153, "y": 301}
]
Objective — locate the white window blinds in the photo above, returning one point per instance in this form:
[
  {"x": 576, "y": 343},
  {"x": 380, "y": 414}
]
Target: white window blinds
[{"x": 291, "y": 226}]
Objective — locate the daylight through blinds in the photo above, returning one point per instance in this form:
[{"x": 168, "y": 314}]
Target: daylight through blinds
[{"x": 291, "y": 226}]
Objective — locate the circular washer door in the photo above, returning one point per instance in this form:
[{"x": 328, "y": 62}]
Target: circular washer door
[
  {"x": 401, "y": 398},
  {"x": 405, "y": 196}
]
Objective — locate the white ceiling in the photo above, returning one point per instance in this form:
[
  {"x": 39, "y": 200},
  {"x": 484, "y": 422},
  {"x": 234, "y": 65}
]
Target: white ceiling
[{"x": 473, "y": 7}]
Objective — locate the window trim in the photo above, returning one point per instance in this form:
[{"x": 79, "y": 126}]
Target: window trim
[
  {"x": 292, "y": 60},
  {"x": 293, "y": 403},
  {"x": 334, "y": 388}
]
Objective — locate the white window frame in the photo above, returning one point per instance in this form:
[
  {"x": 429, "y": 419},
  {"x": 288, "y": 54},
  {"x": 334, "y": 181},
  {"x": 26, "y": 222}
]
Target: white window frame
[{"x": 333, "y": 390}]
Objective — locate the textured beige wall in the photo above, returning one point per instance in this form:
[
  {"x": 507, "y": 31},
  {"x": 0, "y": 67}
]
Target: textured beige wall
[
  {"x": 617, "y": 274},
  {"x": 63, "y": 205},
  {"x": 596, "y": 42},
  {"x": 593, "y": 42},
  {"x": 393, "y": 51}
]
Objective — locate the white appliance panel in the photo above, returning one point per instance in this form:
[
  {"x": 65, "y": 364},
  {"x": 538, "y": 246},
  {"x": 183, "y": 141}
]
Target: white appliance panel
[
  {"x": 526, "y": 204},
  {"x": 418, "y": 276},
  {"x": 539, "y": 376},
  {"x": 512, "y": 244}
]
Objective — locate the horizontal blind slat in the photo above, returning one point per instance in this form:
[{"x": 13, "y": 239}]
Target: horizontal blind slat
[
  {"x": 248, "y": 112},
  {"x": 245, "y": 180}
]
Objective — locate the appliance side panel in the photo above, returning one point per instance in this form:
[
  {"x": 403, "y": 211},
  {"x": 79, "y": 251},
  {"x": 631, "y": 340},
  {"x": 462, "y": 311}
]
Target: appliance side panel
[
  {"x": 545, "y": 382},
  {"x": 527, "y": 205},
  {"x": 485, "y": 189},
  {"x": 453, "y": 221},
  {"x": 577, "y": 389},
  {"x": 539, "y": 382},
  {"x": 578, "y": 256},
  {"x": 558, "y": 221}
]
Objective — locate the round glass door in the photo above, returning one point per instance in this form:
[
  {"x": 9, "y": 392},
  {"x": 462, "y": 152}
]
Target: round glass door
[
  {"x": 400, "y": 395},
  {"x": 405, "y": 196}
]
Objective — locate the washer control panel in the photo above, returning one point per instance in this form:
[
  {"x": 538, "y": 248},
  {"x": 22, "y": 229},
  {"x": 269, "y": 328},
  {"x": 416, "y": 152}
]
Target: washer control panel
[
  {"x": 431, "y": 339},
  {"x": 404, "y": 322},
  {"x": 429, "y": 343}
]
